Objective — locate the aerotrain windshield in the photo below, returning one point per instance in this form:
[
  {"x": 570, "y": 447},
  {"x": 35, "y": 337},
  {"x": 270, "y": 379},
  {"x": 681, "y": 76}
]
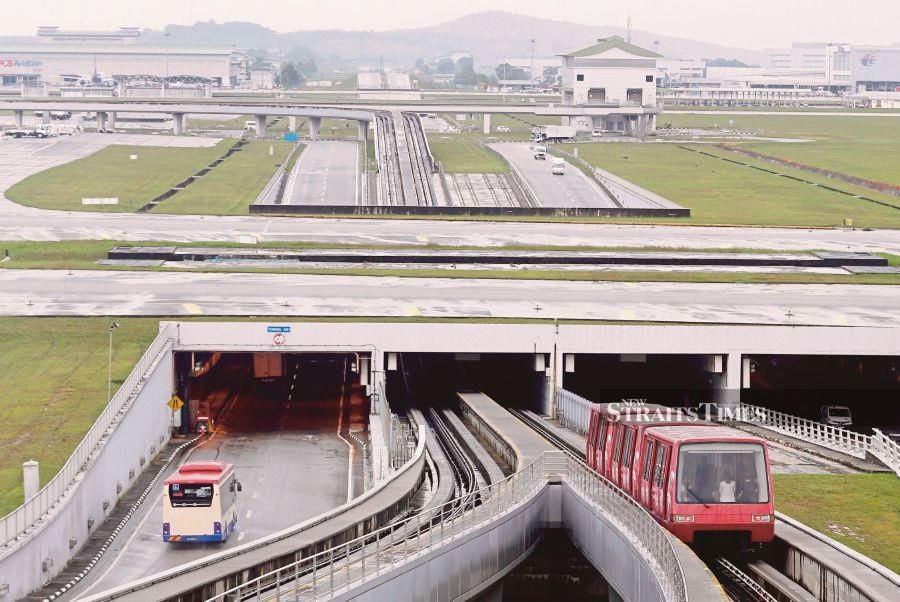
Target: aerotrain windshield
[
  {"x": 191, "y": 494},
  {"x": 722, "y": 473}
]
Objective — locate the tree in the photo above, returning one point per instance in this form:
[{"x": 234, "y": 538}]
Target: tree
[
  {"x": 446, "y": 65},
  {"x": 550, "y": 76},
  {"x": 507, "y": 71},
  {"x": 307, "y": 68},
  {"x": 290, "y": 78},
  {"x": 422, "y": 67}
]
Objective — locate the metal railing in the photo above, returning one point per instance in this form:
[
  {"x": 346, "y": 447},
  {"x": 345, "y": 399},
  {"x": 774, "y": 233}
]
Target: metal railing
[
  {"x": 849, "y": 442},
  {"x": 573, "y": 411},
  {"x": 630, "y": 518},
  {"x": 274, "y": 188},
  {"x": 33, "y": 510},
  {"x": 339, "y": 569}
]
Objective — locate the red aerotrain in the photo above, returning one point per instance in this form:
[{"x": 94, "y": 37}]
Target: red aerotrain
[{"x": 700, "y": 480}]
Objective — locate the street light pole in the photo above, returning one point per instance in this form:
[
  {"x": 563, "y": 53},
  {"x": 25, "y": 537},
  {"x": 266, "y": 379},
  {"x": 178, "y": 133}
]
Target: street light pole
[
  {"x": 532, "y": 63},
  {"x": 112, "y": 327}
]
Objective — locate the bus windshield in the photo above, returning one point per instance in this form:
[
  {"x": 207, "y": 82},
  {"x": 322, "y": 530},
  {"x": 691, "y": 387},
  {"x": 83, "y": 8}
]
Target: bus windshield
[
  {"x": 722, "y": 473},
  {"x": 190, "y": 494}
]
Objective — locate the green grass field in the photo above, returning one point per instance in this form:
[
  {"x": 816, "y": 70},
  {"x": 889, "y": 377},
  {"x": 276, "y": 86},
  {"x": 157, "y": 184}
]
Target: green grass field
[
  {"x": 110, "y": 173},
  {"x": 53, "y": 387},
  {"x": 233, "y": 185},
  {"x": 860, "y": 146},
  {"x": 220, "y": 123},
  {"x": 718, "y": 192},
  {"x": 460, "y": 153},
  {"x": 861, "y": 511}
]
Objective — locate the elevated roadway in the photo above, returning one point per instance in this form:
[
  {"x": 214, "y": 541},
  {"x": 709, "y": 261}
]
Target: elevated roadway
[{"x": 49, "y": 292}]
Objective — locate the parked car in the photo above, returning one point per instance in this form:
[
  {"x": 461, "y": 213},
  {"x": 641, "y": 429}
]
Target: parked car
[
  {"x": 597, "y": 134},
  {"x": 503, "y": 128}
]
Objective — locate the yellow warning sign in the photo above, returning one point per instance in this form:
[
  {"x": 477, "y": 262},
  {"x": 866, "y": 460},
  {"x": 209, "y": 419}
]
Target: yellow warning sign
[{"x": 175, "y": 403}]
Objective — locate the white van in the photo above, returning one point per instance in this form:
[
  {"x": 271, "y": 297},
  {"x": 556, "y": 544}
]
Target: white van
[
  {"x": 559, "y": 166},
  {"x": 597, "y": 134},
  {"x": 540, "y": 152},
  {"x": 250, "y": 125},
  {"x": 835, "y": 415},
  {"x": 503, "y": 128}
]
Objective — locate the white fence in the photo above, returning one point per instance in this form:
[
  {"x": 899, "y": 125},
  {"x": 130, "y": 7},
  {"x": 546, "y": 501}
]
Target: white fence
[
  {"x": 32, "y": 511},
  {"x": 840, "y": 439},
  {"x": 573, "y": 411}
]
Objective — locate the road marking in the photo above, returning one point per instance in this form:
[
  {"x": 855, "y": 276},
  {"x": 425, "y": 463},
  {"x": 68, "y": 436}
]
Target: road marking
[
  {"x": 840, "y": 320},
  {"x": 411, "y": 310},
  {"x": 422, "y": 238},
  {"x": 627, "y": 314},
  {"x": 249, "y": 514},
  {"x": 241, "y": 535},
  {"x": 255, "y": 494},
  {"x": 192, "y": 308}
]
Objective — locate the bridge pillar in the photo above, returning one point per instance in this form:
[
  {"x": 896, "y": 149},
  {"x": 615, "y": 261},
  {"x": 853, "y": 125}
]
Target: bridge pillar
[
  {"x": 18, "y": 117},
  {"x": 101, "y": 120},
  {"x": 178, "y": 123},
  {"x": 292, "y": 123},
  {"x": 120, "y": 89},
  {"x": 565, "y": 120},
  {"x": 362, "y": 129},
  {"x": 45, "y": 116},
  {"x": 261, "y": 125},
  {"x": 486, "y": 120},
  {"x": 315, "y": 123},
  {"x": 726, "y": 380},
  {"x": 111, "y": 120},
  {"x": 207, "y": 92}
]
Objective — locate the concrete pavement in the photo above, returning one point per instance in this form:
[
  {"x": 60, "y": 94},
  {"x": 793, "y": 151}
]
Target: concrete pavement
[
  {"x": 38, "y": 292},
  {"x": 327, "y": 173}
]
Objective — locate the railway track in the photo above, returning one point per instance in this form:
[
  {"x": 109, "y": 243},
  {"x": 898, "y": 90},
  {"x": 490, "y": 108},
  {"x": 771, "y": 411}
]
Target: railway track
[{"x": 738, "y": 578}]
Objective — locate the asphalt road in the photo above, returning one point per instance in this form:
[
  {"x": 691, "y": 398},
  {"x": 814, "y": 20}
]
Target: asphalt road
[
  {"x": 279, "y": 446},
  {"x": 327, "y": 173},
  {"x": 574, "y": 189},
  {"x": 56, "y": 292},
  {"x": 21, "y": 158}
]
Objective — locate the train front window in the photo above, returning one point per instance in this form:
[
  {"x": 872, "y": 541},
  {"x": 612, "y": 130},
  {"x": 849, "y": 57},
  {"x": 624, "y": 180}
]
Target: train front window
[
  {"x": 190, "y": 494},
  {"x": 722, "y": 473}
]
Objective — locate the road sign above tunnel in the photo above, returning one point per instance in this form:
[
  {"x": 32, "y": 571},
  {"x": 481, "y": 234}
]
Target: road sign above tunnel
[{"x": 281, "y": 329}]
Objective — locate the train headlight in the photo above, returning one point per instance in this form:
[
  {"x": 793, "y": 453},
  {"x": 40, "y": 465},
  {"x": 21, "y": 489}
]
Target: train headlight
[
  {"x": 683, "y": 518},
  {"x": 762, "y": 518}
]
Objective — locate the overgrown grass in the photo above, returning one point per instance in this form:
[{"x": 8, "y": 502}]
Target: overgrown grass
[
  {"x": 861, "y": 511},
  {"x": 460, "y": 153},
  {"x": 232, "y": 186},
  {"x": 53, "y": 386},
  {"x": 111, "y": 173}
]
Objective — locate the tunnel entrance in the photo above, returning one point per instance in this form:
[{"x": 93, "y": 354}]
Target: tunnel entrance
[
  {"x": 803, "y": 385},
  {"x": 672, "y": 380},
  {"x": 433, "y": 379}
]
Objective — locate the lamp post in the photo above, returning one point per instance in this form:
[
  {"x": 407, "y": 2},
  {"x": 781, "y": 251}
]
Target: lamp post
[
  {"x": 112, "y": 327},
  {"x": 532, "y": 63},
  {"x": 166, "y": 35}
]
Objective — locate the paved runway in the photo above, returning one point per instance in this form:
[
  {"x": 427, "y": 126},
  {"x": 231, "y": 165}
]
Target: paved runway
[
  {"x": 573, "y": 189},
  {"x": 37, "y": 292},
  {"x": 26, "y": 223},
  {"x": 327, "y": 173}
]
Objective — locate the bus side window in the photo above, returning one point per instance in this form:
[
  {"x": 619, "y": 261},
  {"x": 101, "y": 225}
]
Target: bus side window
[
  {"x": 617, "y": 452},
  {"x": 604, "y": 427},
  {"x": 659, "y": 466},
  {"x": 648, "y": 459}
]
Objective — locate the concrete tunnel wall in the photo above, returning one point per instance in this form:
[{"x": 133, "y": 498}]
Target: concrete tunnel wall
[{"x": 145, "y": 425}]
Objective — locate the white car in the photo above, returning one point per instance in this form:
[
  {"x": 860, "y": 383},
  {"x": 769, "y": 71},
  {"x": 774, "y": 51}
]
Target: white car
[
  {"x": 559, "y": 166},
  {"x": 835, "y": 415},
  {"x": 503, "y": 128},
  {"x": 597, "y": 134}
]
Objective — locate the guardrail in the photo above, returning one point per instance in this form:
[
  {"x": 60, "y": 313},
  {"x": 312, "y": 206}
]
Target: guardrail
[
  {"x": 589, "y": 169},
  {"x": 274, "y": 190},
  {"x": 849, "y": 442},
  {"x": 337, "y": 570},
  {"x": 17, "y": 522},
  {"x": 573, "y": 411}
]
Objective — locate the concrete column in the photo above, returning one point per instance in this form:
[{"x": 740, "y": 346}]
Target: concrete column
[
  {"x": 727, "y": 384},
  {"x": 261, "y": 125},
  {"x": 120, "y": 89},
  {"x": 32, "y": 476},
  {"x": 565, "y": 120},
  {"x": 18, "y": 117},
  {"x": 292, "y": 123},
  {"x": 362, "y": 129},
  {"x": 486, "y": 120},
  {"x": 101, "y": 120},
  {"x": 111, "y": 120},
  {"x": 45, "y": 116},
  {"x": 652, "y": 124},
  {"x": 207, "y": 92},
  {"x": 315, "y": 123},
  {"x": 178, "y": 123}
]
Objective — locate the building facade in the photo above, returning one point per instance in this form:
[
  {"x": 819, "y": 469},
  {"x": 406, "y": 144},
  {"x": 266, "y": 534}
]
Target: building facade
[{"x": 612, "y": 71}]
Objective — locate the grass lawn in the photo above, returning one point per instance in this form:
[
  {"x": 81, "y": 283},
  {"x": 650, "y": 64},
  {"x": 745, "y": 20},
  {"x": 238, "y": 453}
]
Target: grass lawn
[
  {"x": 861, "y": 511},
  {"x": 110, "y": 173},
  {"x": 718, "y": 192},
  {"x": 231, "y": 186},
  {"x": 53, "y": 387},
  {"x": 460, "y": 153},
  {"x": 860, "y": 146},
  {"x": 220, "y": 122},
  {"x": 83, "y": 255}
]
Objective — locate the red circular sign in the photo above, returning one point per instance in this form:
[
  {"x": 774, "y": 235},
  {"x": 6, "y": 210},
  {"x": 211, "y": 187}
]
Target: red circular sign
[{"x": 279, "y": 339}]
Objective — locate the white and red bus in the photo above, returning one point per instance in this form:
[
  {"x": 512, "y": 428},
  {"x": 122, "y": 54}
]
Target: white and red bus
[{"x": 200, "y": 502}]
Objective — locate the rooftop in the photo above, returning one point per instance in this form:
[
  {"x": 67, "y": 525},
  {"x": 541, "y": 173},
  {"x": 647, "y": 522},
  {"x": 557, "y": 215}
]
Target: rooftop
[{"x": 604, "y": 44}]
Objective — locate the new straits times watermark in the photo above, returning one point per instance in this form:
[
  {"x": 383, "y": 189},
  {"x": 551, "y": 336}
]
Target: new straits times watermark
[{"x": 639, "y": 410}]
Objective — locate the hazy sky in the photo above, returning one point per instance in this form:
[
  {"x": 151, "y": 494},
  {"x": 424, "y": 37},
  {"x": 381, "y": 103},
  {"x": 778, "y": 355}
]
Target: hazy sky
[{"x": 743, "y": 23}]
